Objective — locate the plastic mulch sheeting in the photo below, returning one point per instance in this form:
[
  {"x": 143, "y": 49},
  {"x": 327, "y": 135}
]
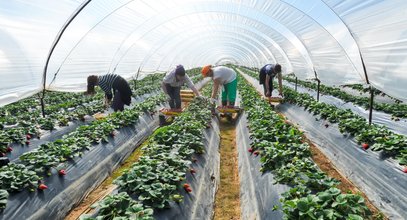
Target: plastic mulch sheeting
[
  {"x": 258, "y": 194},
  {"x": 59, "y": 131},
  {"x": 379, "y": 117},
  {"x": 381, "y": 179},
  {"x": 83, "y": 175},
  {"x": 199, "y": 204}
]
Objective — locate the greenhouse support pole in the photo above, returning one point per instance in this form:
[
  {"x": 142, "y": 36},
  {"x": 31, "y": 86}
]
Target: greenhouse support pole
[
  {"x": 371, "y": 105},
  {"x": 135, "y": 81},
  {"x": 296, "y": 81},
  {"x": 319, "y": 85},
  {"x": 54, "y": 44}
]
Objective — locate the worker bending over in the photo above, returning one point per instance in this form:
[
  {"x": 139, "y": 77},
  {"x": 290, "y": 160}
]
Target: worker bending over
[
  {"x": 266, "y": 77},
  {"x": 222, "y": 77},
  {"x": 171, "y": 85},
  {"x": 121, "y": 90}
]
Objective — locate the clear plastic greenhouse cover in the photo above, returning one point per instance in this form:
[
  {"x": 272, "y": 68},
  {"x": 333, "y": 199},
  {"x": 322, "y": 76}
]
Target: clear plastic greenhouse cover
[{"x": 323, "y": 38}]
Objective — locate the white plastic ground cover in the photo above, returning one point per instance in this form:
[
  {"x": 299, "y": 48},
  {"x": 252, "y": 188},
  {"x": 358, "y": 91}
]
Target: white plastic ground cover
[
  {"x": 381, "y": 180},
  {"x": 83, "y": 175},
  {"x": 131, "y": 35}
]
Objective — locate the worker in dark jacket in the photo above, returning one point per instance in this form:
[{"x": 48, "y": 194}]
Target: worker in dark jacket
[
  {"x": 266, "y": 77},
  {"x": 121, "y": 94}
]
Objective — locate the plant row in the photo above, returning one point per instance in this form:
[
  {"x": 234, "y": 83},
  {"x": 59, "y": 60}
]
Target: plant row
[
  {"x": 25, "y": 174},
  {"x": 58, "y": 109},
  {"x": 156, "y": 178},
  {"x": 378, "y": 137},
  {"x": 313, "y": 195},
  {"x": 396, "y": 110},
  {"x": 363, "y": 89}
]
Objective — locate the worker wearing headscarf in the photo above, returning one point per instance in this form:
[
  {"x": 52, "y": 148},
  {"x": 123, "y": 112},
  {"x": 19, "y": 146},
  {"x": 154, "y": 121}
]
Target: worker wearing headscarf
[{"x": 223, "y": 77}]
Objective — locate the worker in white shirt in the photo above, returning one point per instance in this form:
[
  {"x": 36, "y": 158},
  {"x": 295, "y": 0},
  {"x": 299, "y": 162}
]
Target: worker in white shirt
[
  {"x": 172, "y": 83},
  {"x": 222, "y": 77}
]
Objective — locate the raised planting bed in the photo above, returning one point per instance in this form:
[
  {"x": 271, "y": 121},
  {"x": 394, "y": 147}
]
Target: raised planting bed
[
  {"x": 397, "y": 110},
  {"x": 285, "y": 163},
  {"x": 376, "y": 181},
  {"x": 64, "y": 113},
  {"x": 378, "y": 137},
  {"x": 75, "y": 164},
  {"x": 177, "y": 174},
  {"x": 379, "y": 118}
]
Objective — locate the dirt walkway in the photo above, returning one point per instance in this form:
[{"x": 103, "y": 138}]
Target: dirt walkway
[{"x": 227, "y": 204}]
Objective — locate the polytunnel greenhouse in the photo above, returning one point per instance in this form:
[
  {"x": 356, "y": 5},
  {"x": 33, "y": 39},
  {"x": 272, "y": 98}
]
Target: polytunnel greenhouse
[{"x": 194, "y": 109}]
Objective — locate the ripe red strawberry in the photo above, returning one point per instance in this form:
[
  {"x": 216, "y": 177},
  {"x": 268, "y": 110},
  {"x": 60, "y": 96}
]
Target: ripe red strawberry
[
  {"x": 192, "y": 171},
  {"x": 28, "y": 136},
  {"x": 27, "y": 143},
  {"x": 188, "y": 189},
  {"x": 251, "y": 150},
  {"x": 365, "y": 146},
  {"x": 112, "y": 134},
  {"x": 256, "y": 153},
  {"x": 186, "y": 185},
  {"x": 405, "y": 170},
  {"x": 9, "y": 149},
  {"x": 42, "y": 186},
  {"x": 62, "y": 172},
  {"x": 326, "y": 125}
]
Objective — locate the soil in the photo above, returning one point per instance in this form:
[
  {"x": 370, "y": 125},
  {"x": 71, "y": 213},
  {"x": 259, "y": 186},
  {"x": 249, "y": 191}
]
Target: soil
[
  {"x": 105, "y": 188},
  {"x": 345, "y": 185},
  {"x": 227, "y": 204}
]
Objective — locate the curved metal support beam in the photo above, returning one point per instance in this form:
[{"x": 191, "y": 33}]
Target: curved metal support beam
[{"x": 54, "y": 44}]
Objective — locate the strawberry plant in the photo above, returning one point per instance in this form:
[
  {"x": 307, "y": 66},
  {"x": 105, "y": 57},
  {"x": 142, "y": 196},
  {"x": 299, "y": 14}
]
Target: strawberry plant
[
  {"x": 3, "y": 199},
  {"x": 313, "y": 194},
  {"x": 120, "y": 206},
  {"x": 329, "y": 204},
  {"x": 397, "y": 110},
  {"x": 157, "y": 176},
  {"x": 16, "y": 177}
]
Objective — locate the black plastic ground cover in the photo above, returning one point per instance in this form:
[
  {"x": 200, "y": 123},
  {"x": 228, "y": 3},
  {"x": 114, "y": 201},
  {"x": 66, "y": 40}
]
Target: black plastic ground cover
[
  {"x": 198, "y": 204},
  {"x": 379, "y": 117},
  {"x": 59, "y": 131},
  {"x": 83, "y": 175},
  {"x": 258, "y": 193},
  {"x": 381, "y": 179},
  {"x": 377, "y": 98}
]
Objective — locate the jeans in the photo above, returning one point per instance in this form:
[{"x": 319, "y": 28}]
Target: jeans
[
  {"x": 175, "y": 97},
  {"x": 117, "y": 104},
  {"x": 270, "y": 86}
]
